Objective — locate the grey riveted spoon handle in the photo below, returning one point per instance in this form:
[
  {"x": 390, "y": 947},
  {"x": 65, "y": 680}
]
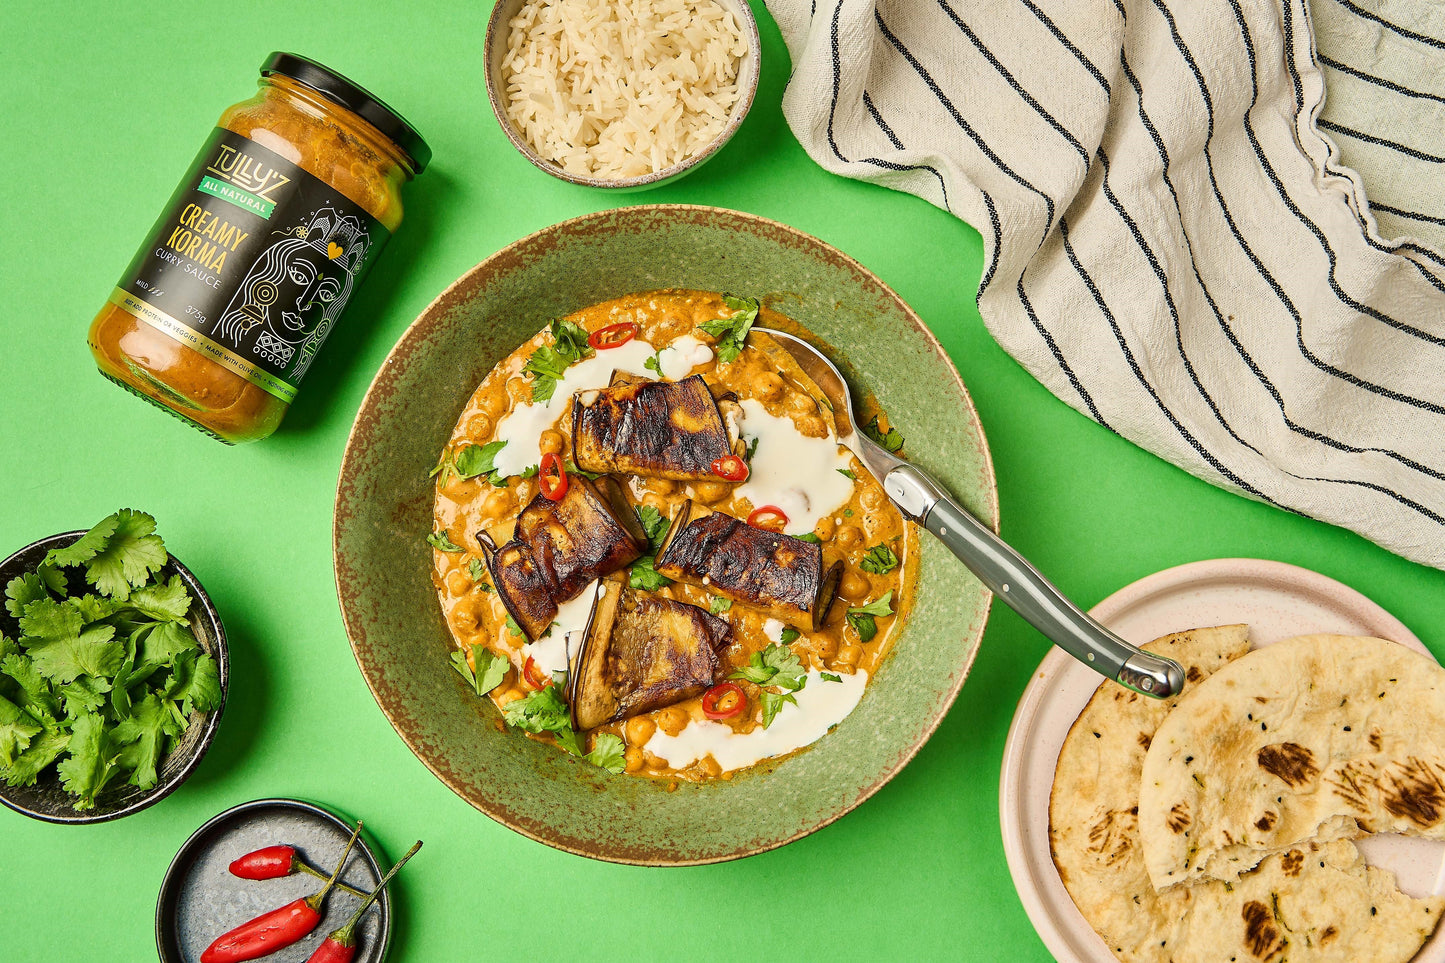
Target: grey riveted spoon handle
[{"x": 1027, "y": 592}]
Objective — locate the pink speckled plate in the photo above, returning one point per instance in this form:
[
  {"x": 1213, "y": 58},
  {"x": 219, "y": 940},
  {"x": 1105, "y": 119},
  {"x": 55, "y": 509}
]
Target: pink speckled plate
[{"x": 1278, "y": 601}]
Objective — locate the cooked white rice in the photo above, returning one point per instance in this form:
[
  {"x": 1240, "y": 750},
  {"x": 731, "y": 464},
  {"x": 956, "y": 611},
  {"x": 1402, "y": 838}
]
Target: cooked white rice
[{"x": 621, "y": 88}]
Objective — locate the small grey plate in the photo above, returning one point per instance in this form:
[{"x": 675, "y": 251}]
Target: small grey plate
[{"x": 200, "y": 899}]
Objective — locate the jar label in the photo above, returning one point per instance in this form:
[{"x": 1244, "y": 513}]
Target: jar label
[{"x": 252, "y": 262}]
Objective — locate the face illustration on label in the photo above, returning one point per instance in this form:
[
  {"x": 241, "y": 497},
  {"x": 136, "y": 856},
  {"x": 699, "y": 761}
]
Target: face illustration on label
[{"x": 296, "y": 288}]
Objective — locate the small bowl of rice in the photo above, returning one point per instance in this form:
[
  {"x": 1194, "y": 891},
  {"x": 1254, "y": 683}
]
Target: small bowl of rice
[{"x": 621, "y": 94}]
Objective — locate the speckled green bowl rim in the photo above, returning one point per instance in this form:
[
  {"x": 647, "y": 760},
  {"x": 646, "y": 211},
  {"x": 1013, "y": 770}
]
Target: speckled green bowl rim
[{"x": 953, "y": 646}]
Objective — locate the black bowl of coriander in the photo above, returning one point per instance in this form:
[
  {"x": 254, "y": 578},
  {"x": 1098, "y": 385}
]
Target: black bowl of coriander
[{"x": 113, "y": 673}]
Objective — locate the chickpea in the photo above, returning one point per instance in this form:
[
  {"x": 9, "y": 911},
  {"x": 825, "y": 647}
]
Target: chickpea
[
  {"x": 873, "y": 499},
  {"x": 497, "y": 503},
  {"x": 479, "y": 426},
  {"x": 492, "y": 404},
  {"x": 467, "y": 617},
  {"x": 458, "y": 583},
  {"x": 657, "y": 501},
  {"x": 711, "y": 492},
  {"x": 824, "y": 528},
  {"x": 663, "y": 486},
  {"x": 519, "y": 390},
  {"x": 639, "y": 729},
  {"x": 479, "y": 637},
  {"x": 848, "y": 537},
  {"x": 633, "y": 758},
  {"x": 551, "y": 442},
  {"x": 768, "y": 386},
  {"x": 506, "y": 696},
  {"x": 812, "y": 426},
  {"x": 825, "y": 644},
  {"x": 526, "y": 488},
  {"x": 653, "y": 762},
  {"x": 709, "y": 767},
  {"x": 854, "y": 585},
  {"x": 848, "y": 656},
  {"x": 802, "y": 403},
  {"x": 672, "y": 720}
]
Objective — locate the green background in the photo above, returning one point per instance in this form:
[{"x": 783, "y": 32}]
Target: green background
[{"x": 105, "y": 109}]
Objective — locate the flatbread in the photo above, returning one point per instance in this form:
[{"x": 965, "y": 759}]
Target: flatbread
[
  {"x": 1317, "y": 903},
  {"x": 1315, "y": 738}
]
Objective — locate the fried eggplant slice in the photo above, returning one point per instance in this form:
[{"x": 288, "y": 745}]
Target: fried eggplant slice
[
  {"x": 520, "y": 585},
  {"x": 642, "y": 652},
  {"x": 590, "y": 532},
  {"x": 779, "y": 575},
  {"x": 657, "y": 429}
]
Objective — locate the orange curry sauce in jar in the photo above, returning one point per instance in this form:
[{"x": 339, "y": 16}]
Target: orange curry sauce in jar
[{"x": 221, "y": 312}]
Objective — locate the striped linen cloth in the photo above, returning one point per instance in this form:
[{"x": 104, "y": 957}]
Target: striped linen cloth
[{"x": 1177, "y": 241}]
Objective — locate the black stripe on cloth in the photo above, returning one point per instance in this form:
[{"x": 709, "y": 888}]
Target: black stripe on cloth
[
  {"x": 1264, "y": 272},
  {"x": 1380, "y": 142},
  {"x": 833, "y": 113},
  {"x": 1224, "y": 325},
  {"x": 997, "y": 245},
  {"x": 1378, "y": 81},
  {"x": 963, "y": 124},
  {"x": 1163, "y": 279},
  {"x": 1412, "y": 215},
  {"x": 1184, "y": 432},
  {"x": 1019, "y": 89},
  {"x": 1058, "y": 354},
  {"x": 878, "y": 119},
  {"x": 1294, "y": 209},
  {"x": 1068, "y": 44},
  {"x": 1393, "y": 27}
]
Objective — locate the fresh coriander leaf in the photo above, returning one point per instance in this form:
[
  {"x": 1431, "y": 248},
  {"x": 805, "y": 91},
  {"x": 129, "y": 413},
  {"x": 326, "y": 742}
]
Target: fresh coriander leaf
[
  {"x": 879, "y": 606},
  {"x": 718, "y": 605},
  {"x": 789, "y": 635},
  {"x": 196, "y": 682},
  {"x": 36, "y": 695},
  {"x": 87, "y": 546},
  {"x": 161, "y": 645},
  {"x": 788, "y": 670},
  {"x": 549, "y": 363},
  {"x": 84, "y": 695},
  {"x": 163, "y": 601},
  {"x": 21, "y": 590},
  {"x": 474, "y": 460},
  {"x": 539, "y": 712},
  {"x": 491, "y": 668},
  {"x": 572, "y": 469},
  {"x": 52, "y": 577},
  {"x": 91, "y": 653},
  {"x": 848, "y": 473},
  {"x": 730, "y": 332},
  {"x": 608, "y": 753},
  {"x": 143, "y": 735},
  {"x": 753, "y": 447},
  {"x": 87, "y": 765},
  {"x": 47, "y": 620},
  {"x": 773, "y": 704},
  {"x": 512, "y": 626},
  {"x": 571, "y": 339},
  {"x": 44, "y": 749},
  {"x": 829, "y": 677},
  {"x": 880, "y": 560},
  {"x": 440, "y": 542},
  {"x": 654, "y": 525},
  {"x": 809, "y": 537},
  {"x": 654, "y": 363},
  {"x": 459, "y": 662},
  {"x": 644, "y": 575},
  {"x": 17, "y": 728},
  {"x": 475, "y": 570},
  {"x": 128, "y": 560},
  {"x": 891, "y": 440},
  {"x": 93, "y": 608},
  {"x": 847, "y": 513}
]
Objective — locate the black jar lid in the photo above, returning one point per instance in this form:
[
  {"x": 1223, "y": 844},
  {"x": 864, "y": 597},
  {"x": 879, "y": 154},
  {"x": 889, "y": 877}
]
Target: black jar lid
[{"x": 354, "y": 98}]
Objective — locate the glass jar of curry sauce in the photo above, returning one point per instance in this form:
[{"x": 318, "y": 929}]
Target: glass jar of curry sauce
[{"x": 222, "y": 310}]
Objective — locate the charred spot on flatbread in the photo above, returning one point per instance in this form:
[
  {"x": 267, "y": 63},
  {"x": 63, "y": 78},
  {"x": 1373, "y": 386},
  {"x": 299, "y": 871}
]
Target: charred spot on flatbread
[
  {"x": 1415, "y": 793},
  {"x": 1291, "y": 762},
  {"x": 1179, "y": 817},
  {"x": 1261, "y": 937},
  {"x": 1291, "y": 862},
  {"x": 1266, "y": 822}
]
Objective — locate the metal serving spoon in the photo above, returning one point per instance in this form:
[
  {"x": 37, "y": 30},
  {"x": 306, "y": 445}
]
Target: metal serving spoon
[{"x": 1007, "y": 573}]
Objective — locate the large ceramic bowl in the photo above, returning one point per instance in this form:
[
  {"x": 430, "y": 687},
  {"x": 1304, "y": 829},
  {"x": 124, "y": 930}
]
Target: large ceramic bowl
[{"x": 384, "y": 512}]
